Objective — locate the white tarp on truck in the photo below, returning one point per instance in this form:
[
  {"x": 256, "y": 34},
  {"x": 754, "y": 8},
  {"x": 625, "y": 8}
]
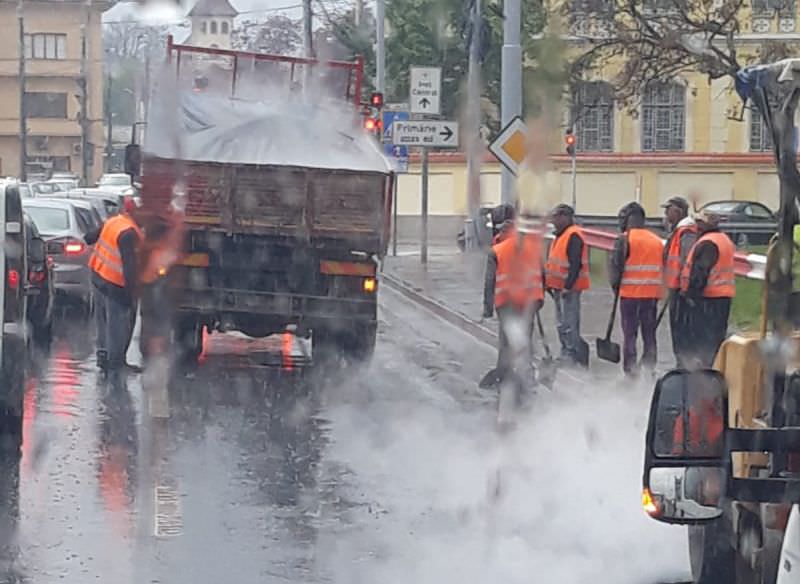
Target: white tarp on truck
[{"x": 225, "y": 130}]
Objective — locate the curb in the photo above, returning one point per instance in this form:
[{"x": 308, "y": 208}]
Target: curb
[{"x": 457, "y": 319}]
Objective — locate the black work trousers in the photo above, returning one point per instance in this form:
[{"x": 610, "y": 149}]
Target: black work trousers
[{"x": 706, "y": 328}]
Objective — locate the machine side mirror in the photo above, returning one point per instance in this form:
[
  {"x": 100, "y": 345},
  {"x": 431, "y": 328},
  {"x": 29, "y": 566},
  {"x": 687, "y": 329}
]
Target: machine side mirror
[
  {"x": 133, "y": 159},
  {"x": 37, "y": 252},
  {"x": 685, "y": 469}
]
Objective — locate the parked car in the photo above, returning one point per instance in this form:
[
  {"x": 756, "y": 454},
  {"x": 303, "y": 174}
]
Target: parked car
[
  {"x": 746, "y": 222},
  {"x": 63, "y": 225},
  {"x": 40, "y": 286},
  {"x": 110, "y": 200},
  {"x": 14, "y": 337},
  {"x": 118, "y": 183}
]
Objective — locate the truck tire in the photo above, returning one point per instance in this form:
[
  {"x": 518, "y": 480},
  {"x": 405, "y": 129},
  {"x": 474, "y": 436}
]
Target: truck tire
[
  {"x": 359, "y": 344},
  {"x": 712, "y": 556},
  {"x": 188, "y": 341}
]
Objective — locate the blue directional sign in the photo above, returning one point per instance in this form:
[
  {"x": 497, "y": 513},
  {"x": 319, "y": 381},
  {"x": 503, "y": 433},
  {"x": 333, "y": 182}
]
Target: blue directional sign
[{"x": 399, "y": 153}]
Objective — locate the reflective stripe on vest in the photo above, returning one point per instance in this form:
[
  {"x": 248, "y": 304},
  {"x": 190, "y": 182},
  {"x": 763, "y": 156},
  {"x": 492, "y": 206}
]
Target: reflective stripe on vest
[
  {"x": 557, "y": 268},
  {"x": 518, "y": 280},
  {"x": 674, "y": 261},
  {"x": 106, "y": 260},
  {"x": 642, "y": 276},
  {"x": 722, "y": 277}
]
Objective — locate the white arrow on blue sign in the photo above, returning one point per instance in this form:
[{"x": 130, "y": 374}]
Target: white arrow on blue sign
[{"x": 399, "y": 153}]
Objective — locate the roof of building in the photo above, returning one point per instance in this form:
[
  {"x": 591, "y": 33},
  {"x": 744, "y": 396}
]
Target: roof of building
[{"x": 213, "y": 8}]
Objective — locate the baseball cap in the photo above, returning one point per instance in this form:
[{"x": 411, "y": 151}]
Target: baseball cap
[{"x": 678, "y": 202}]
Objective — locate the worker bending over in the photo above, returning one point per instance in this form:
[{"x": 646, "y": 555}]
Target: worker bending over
[
  {"x": 514, "y": 286},
  {"x": 708, "y": 285},
  {"x": 636, "y": 274},
  {"x": 567, "y": 277},
  {"x": 682, "y": 235}
]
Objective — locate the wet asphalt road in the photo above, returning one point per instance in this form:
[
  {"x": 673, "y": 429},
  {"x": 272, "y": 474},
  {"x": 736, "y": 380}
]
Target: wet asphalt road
[{"x": 385, "y": 473}]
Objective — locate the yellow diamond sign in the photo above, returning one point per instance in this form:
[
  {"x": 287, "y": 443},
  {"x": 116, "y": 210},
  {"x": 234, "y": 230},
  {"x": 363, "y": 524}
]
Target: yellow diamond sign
[{"x": 510, "y": 145}]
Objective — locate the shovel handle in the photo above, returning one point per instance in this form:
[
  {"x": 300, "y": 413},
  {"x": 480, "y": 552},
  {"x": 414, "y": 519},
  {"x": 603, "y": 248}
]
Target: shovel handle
[
  {"x": 613, "y": 316},
  {"x": 541, "y": 333}
]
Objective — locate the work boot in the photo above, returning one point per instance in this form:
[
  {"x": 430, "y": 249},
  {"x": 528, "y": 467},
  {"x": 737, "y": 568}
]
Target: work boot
[{"x": 102, "y": 360}]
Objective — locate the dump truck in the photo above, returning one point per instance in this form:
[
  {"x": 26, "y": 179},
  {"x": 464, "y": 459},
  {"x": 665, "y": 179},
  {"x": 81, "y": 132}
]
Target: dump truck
[
  {"x": 286, "y": 199},
  {"x": 722, "y": 449}
]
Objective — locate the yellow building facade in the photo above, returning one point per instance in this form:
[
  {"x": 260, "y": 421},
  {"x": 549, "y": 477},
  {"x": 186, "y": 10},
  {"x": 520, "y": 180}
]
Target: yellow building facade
[
  {"x": 55, "y": 65},
  {"x": 687, "y": 140}
]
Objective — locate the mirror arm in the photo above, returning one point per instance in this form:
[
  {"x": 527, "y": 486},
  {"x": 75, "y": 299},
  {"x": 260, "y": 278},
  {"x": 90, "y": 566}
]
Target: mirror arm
[
  {"x": 763, "y": 440},
  {"x": 764, "y": 490}
]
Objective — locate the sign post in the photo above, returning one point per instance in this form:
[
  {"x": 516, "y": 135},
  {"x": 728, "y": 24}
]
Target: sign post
[
  {"x": 426, "y": 90},
  {"x": 423, "y": 255}
]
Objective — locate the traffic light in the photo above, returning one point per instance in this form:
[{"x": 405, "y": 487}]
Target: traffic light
[
  {"x": 569, "y": 140},
  {"x": 376, "y": 100},
  {"x": 373, "y": 125}
]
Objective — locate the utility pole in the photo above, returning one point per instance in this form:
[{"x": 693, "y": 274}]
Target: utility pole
[
  {"x": 473, "y": 124},
  {"x": 308, "y": 42},
  {"x": 109, "y": 124},
  {"x": 359, "y": 13},
  {"x": 380, "y": 52},
  {"x": 23, "y": 110},
  {"x": 86, "y": 121},
  {"x": 511, "y": 80}
]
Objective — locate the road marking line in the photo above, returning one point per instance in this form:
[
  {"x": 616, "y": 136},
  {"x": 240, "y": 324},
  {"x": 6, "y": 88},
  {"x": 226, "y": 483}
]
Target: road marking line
[{"x": 168, "y": 518}]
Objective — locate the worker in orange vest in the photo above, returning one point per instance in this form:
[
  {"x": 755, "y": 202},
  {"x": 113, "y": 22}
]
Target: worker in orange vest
[
  {"x": 636, "y": 274},
  {"x": 567, "y": 276},
  {"x": 514, "y": 286},
  {"x": 682, "y": 235},
  {"x": 708, "y": 285},
  {"x": 115, "y": 275},
  {"x": 502, "y": 222}
]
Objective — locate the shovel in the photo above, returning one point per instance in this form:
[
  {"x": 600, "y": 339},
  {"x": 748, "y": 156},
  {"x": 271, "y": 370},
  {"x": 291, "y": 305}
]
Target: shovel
[
  {"x": 547, "y": 365},
  {"x": 663, "y": 310},
  {"x": 607, "y": 350}
]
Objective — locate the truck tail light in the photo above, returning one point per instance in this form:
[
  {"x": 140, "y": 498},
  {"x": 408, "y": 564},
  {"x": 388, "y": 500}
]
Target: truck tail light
[{"x": 370, "y": 285}]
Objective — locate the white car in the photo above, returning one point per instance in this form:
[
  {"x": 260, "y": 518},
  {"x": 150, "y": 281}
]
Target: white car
[
  {"x": 789, "y": 565},
  {"x": 118, "y": 183}
]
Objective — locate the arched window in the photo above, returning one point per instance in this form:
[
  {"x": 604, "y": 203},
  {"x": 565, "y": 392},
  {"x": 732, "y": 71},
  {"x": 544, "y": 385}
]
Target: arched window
[
  {"x": 213, "y": 27},
  {"x": 593, "y": 116},
  {"x": 224, "y": 27},
  {"x": 664, "y": 117}
]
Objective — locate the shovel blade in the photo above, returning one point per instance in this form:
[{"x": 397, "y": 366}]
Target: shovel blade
[
  {"x": 491, "y": 380},
  {"x": 607, "y": 350}
]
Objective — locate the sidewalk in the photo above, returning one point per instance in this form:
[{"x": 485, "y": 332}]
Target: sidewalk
[{"x": 455, "y": 280}]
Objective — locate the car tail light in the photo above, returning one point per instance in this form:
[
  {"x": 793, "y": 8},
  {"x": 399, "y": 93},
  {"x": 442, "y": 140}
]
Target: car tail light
[
  {"x": 36, "y": 277},
  {"x": 74, "y": 247},
  {"x": 13, "y": 279}
]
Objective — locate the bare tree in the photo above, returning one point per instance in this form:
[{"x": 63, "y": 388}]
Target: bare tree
[
  {"x": 277, "y": 34},
  {"x": 657, "y": 40}
]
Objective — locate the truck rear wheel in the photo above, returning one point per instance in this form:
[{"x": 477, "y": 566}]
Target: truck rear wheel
[
  {"x": 188, "y": 341},
  {"x": 711, "y": 554}
]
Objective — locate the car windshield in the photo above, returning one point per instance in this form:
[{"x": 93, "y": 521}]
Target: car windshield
[
  {"x": 728, "y": 207},
  {"x": 43, "y": 188},
  {"x": 49, "y": 220},
  {"x": 115, "y": 180}
]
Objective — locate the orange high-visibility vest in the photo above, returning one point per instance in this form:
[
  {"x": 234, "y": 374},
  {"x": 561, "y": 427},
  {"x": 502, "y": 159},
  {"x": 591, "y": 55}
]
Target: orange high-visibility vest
[
  {"x": 642, "y": 275},
  {"x": 519, "y": 270},
  {"x": 722, "y": 279},
  {"x": 674, "y": 261},
  {"x": 106, "y": 261},
  {"x": 557, "y": 267}
]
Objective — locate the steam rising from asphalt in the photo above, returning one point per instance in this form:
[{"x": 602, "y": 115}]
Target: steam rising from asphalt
[{"x": 558, "y": 500}]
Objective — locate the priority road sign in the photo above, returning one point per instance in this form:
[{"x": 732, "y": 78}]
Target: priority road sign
[
  {"x": 510, "y": 145},
  {"x": 432, "y": 134},
  {"x": 426, "y": 90}
]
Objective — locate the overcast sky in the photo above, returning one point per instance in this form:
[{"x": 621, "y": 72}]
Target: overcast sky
[{"x": 248, "y": 8}]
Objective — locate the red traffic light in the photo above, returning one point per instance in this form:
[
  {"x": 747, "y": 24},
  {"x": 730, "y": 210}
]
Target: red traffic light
[
  {"x": 376, "y": 99},
  {"x": 570, "y": 139}
]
